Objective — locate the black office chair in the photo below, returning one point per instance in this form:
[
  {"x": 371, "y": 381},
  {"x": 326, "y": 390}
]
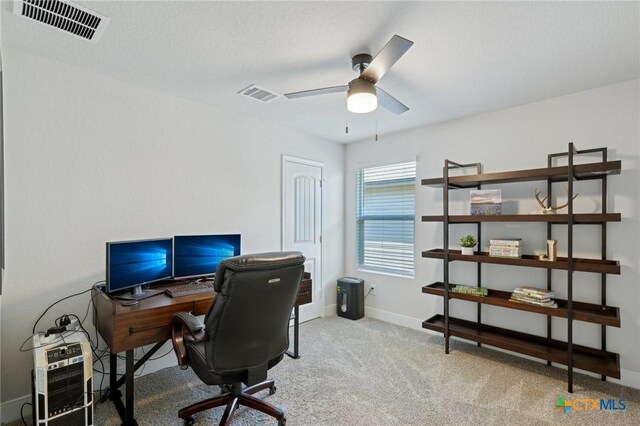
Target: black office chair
[{"x": 245, "y": 332}]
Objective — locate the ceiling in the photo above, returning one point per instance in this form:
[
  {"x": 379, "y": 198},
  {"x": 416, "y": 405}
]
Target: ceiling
[{"x": 468, "y": 58}]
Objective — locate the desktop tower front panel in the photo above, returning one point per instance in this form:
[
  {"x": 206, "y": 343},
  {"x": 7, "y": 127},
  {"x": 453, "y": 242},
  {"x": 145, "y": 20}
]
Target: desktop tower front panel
[{"x": 62, "y": 391}]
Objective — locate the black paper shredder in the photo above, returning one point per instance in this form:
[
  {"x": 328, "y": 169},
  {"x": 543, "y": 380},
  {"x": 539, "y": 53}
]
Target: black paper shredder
[{"x": 350, "y": 302}]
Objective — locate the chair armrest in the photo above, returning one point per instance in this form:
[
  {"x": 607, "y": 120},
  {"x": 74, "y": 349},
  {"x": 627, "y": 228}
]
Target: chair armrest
[
  {"x": 192, "y": 323},
  {"x": 181, "y": 322}
]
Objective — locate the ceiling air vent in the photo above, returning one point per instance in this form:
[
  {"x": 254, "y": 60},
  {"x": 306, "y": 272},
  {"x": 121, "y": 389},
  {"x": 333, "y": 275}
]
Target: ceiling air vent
[
  {"x": 65, "y": 16},
  {"x": 258, "y": 93}
]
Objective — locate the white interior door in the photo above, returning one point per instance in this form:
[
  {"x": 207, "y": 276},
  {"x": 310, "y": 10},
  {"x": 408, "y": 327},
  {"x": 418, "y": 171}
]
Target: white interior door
[{"x": 302, "y": 222}]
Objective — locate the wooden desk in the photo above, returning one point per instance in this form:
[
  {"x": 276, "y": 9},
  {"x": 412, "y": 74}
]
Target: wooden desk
[{"x": 125, "y": 328}]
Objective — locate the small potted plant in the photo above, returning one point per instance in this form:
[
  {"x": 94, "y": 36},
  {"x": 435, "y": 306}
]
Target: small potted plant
[{"x": 468, "y": 242}]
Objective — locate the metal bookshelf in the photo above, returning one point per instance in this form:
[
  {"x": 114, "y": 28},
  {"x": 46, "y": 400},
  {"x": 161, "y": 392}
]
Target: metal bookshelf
[{"x": 598, "y": 361}]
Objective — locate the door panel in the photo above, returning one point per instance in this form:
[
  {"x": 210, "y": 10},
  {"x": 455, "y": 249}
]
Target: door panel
[{"x": 302, "y": 223}]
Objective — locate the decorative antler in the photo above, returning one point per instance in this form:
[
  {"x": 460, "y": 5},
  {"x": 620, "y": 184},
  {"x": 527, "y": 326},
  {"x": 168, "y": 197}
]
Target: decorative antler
[
  {"x": 550, "y": 209},
  {"x": 541, "y": 202}
]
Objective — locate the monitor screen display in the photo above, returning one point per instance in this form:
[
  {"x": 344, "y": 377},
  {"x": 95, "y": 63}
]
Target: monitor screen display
[
  {"x": 199, "y": 255},
  {"x": 133, "y": 263}
]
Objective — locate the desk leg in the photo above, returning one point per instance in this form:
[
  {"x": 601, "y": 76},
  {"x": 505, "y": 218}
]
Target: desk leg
[
  {"x": 296, "y": 326},
  {"x": 121, "y": 381},
  {"x": 113, "y": 393},
  {"x": 126, "y": 411},
  {"x": 129, "y": 420},
  {"x": 113, "y": 373}
]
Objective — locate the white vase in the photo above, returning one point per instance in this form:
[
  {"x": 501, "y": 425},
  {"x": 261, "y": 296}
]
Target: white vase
[{"x": 467, "y": 250}]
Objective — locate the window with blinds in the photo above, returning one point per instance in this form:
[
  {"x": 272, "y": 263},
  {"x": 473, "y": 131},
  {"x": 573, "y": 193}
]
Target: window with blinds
[{"x": 385, "y": 211}]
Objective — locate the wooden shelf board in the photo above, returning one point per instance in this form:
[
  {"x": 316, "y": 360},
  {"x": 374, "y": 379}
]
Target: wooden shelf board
[
  {"x": 584, "y": 358},
  {"x": 588, "y": 312},
  {"x": 579, "y": 264},
  {"x": 579, "y": 218},
  {"x": 556, "y": 174}
]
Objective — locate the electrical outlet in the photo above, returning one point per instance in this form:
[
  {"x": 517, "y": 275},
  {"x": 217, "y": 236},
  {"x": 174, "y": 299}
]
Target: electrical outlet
[{"x": 373, "y": 290}]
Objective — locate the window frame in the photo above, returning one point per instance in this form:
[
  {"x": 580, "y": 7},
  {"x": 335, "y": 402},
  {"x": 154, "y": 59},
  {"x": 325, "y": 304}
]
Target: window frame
[{"x": 398, "y": 218}]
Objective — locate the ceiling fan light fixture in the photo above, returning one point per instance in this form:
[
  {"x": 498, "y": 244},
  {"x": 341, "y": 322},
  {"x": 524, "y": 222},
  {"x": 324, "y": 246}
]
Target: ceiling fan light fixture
[{"x": 361, "y": 96}]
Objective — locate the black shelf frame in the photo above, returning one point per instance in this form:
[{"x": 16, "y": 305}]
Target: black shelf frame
[
  {"x": 448, "y": 165},
  {"x": 571, "y": 177},
  {"x": 603, "y": 248}
]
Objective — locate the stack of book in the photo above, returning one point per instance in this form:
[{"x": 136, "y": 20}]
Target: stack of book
[
  {"x": 467, "y": 289},
  {"x": 533, "y": 296},
  {"x": 509, "y": 247}
]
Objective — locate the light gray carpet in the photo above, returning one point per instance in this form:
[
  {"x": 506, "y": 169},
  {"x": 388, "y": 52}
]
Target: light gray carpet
[{"x": 369, "y": 372}]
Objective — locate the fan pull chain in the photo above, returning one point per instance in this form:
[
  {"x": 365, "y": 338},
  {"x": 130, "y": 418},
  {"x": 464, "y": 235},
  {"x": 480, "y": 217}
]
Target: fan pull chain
[
  {"x": 376, "y": 120},
  {"x": 346, "y": 122}
]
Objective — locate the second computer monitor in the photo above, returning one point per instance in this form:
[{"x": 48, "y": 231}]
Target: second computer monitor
[{"x": 199, "y": 255}]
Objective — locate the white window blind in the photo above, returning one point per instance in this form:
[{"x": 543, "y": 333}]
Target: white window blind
[{"x": 385, "y": 210}]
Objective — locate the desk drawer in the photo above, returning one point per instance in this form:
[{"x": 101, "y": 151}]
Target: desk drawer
[
  {"x": 137, "y": 329},
  {"x": 201, "y": 307},
  {"x": 304, "y": 292},
  {"x": 128, "y": 327}
]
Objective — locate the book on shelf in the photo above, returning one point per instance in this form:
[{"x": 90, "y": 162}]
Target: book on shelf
[
  {"x": 505, "y": 248},
  {"x": 527, "y": 298},
  {"x": 534, "y": 302},
  {"x": 508, "y": 250},
  {"x": 533, "y": 296},
  {"x": 534, "y": 292},
  {"x": 467, "y": 289},
  {"x": 506, "y": 242},
  {"x": 503, "y": 253},
  {"x": 494, "y": 254}
]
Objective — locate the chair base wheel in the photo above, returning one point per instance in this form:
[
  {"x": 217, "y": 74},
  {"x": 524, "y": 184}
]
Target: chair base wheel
[{"x": 233, "y": 400}]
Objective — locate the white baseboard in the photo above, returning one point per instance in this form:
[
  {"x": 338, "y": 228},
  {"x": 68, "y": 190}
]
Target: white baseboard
[
  {"x": 394, "y": 318},
  {"x": 330, "y": 311},
  {"x": 10, "y": 410},
  {"x": 627, "y": 377}
]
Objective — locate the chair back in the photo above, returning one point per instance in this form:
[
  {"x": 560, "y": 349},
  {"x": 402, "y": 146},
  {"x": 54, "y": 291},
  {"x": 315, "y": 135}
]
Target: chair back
[{"x": 248, "y": 322}]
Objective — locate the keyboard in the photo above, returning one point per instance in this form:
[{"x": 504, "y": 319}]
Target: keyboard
[{"x": 189, "y": 288}]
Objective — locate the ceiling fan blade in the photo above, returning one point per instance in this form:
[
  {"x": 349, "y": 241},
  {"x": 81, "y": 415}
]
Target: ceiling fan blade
[
  {"x": 390, "y": 103},
  {"x": 389, "y": 55},
  {"x": 314, "y": 92}
]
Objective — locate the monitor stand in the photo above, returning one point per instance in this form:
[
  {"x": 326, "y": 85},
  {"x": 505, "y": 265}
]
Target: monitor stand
[{"x": 138, "y": 293}]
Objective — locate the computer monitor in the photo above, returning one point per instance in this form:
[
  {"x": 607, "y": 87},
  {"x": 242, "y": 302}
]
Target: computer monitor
[
  {"x": 199, "y": 255},
  {"x": 132, "y": 264}
]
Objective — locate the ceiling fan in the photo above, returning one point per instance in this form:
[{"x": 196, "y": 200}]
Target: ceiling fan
[{"x": 362, "y": 93}]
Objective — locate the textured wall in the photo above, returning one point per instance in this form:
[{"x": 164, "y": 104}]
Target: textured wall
[{"x": 91, "y": 160}]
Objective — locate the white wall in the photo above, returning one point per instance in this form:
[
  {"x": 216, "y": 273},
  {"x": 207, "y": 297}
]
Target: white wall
[
  {"x": 91, "y": 159},
  {"x": 1, "y": 269},
  {"x": 512, "y": 139}
]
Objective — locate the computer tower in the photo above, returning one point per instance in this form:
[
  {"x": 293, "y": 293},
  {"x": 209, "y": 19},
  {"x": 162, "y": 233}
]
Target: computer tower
[
  {"x": 62, "y": 380},
  {"x": 350, "y": 302}
]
